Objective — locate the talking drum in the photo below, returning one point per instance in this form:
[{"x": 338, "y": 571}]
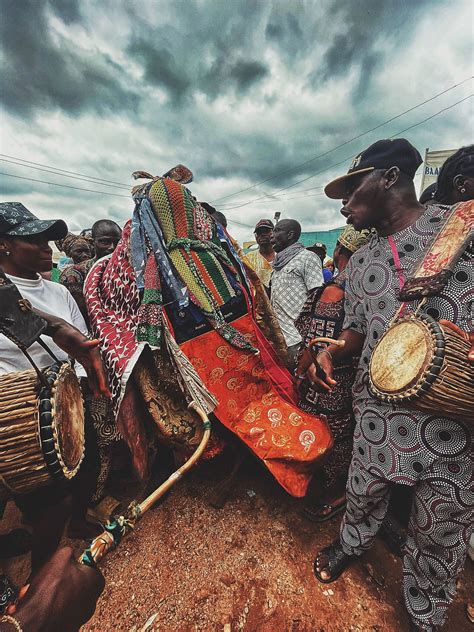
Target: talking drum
[
  {"x": 422, "y": 364},
  {"x": 41, "y": 429}
]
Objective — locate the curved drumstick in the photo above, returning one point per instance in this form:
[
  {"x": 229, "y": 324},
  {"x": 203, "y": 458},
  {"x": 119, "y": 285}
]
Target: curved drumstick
[
  {"x": 315, "y": 341},
  {"x": 116, "y": 528}
]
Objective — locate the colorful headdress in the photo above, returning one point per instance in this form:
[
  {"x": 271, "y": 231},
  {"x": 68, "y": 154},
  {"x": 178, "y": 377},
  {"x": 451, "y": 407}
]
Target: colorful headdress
[{"x": 353, "y": 239}]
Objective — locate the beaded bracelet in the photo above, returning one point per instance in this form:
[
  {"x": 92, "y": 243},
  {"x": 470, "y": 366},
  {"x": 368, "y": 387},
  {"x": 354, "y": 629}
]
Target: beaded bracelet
[{"x": 6, "y": 618}]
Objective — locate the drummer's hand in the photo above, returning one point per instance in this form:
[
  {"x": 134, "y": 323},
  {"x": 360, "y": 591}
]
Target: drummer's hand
[
  {"x": 62, "y": 596},
  {"x": 467, "y": 336},
  {"x": 85, "y": 351},
  {"x": 321, "y": 373},
  {"x": 305, "y": 362}
]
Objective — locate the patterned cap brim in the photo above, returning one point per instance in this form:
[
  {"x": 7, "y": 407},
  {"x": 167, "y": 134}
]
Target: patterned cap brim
[{"x": 56, "y": 228}]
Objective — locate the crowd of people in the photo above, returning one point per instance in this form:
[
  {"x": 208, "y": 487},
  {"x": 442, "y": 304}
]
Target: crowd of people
[{"x": 274, "y": 344}]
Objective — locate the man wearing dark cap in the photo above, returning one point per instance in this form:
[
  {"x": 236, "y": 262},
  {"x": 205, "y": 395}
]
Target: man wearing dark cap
[
  {"x": 393, "y": 444},
  {"x": 260, "y": 259}
]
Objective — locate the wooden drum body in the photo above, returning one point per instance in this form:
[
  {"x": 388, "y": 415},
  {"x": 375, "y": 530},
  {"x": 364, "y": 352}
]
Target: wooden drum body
[
  {"x": 423, "y": 364},
  {"x": 41, "y": 429}
]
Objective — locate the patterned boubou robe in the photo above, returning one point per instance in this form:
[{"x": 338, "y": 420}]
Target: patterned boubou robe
[{"x": 397, "y": 445}]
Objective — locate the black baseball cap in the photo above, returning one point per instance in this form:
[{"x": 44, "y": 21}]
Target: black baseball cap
[
  {"x": 381, "y": 155},
  {"x": 16, "y": 220}
]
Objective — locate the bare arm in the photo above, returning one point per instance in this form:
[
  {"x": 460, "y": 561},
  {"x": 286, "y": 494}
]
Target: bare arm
[{"x": 79, "y": 347}]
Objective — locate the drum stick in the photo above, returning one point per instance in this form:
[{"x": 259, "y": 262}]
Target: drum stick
[
  {"x": 117, "y": 527},
  {"x": 331, "y": 341}
]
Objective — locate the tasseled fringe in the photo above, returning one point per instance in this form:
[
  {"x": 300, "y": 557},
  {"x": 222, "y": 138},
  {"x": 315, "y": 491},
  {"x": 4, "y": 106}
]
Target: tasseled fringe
[{"x": 192, "y": 384}]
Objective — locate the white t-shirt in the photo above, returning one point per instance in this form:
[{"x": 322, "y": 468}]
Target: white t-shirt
[{"x": 51, "y": 298}]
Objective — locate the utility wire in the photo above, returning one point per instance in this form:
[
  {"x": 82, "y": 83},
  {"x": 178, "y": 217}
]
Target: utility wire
[
  {"x": 99, "y": 180},
  {"x": 104, "y": 184},
  {"x": 65, "y": 186},
  {"x": 336, "y": 164},
  {"x": 345, "y": 142},
  {"x": 266, "y": 196},
  {"x": 110, "y": 183}
]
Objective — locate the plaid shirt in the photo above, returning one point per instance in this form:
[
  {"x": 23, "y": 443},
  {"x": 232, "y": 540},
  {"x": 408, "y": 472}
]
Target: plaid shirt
[{"x": 290, "y": 288}]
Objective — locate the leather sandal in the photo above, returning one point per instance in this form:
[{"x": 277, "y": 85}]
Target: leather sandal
[{"x": 337, "y": 562}]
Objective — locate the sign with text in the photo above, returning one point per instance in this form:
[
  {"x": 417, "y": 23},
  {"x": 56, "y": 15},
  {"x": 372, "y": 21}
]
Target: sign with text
[{"x": 434, "y": 160}]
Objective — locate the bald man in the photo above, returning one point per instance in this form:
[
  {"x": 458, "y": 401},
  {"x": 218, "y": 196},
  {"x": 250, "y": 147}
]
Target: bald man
[{"x": 296, "y": 272}]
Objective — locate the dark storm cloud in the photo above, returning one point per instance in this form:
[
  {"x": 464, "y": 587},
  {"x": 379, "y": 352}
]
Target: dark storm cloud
[
  {"x": 67, "y": 10},
  {"x": 371, "y": 30},
  {"x": 238, "y": 91},
  {"x": 41, "y": 72},
  {"x": 160, "y": 67},
  {"x": 186, "y": 54}
]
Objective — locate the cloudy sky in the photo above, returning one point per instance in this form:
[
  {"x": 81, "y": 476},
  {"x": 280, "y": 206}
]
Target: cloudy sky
[{"x": 248, "y": 94}]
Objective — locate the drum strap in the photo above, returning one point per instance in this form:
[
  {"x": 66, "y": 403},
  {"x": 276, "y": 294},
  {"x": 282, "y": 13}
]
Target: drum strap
[
  {"x": 435, "y": 267},
  {"x": 398, "y": 268},
  {"x": 19, "y": 323}
]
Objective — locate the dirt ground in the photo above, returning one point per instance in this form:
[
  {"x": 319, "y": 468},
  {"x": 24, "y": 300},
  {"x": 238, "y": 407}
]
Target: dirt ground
[{"x": 247, "y": 567}]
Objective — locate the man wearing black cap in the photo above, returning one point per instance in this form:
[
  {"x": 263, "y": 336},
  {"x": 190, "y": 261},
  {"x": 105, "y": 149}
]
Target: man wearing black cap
[
  {"x": 393, "y": 444},
  {"x": 260, "y": 259}
]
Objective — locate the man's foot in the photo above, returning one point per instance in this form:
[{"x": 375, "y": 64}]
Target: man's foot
[
  {"x": 331, "y": 562},
  {"x": 84, "y": 530},
  {"x": 17, "y": 542},
  {"x": 323, "y": 512}
]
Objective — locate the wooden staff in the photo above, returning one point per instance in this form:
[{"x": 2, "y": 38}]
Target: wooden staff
[{"x": 117, "y": 527}]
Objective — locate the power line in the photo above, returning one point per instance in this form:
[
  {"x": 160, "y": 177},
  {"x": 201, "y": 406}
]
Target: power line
[
  {"x": 65, "y": 186},
  {"x": 228, "y": 208},
  {"x": 230, "y": 205},
  {"x": 279, "y": 200},
  {"x": 345, "y": 142},
  {"x": 99, "y": 180},
  {"x": 336, "y": 164},
  {"x": 57, "y": 173}
]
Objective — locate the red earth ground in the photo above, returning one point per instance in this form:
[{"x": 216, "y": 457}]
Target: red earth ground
[{"x": 248, "y": 566}]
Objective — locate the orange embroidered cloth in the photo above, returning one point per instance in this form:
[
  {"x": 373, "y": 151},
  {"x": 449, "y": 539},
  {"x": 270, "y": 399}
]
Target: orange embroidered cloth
[{"x": 288, "y": 440}]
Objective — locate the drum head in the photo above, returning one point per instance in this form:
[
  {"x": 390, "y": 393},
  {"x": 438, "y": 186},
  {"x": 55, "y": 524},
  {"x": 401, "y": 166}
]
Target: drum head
[
  {"x": 68, "y": 420},
  {"x": 401, "y": 356}
]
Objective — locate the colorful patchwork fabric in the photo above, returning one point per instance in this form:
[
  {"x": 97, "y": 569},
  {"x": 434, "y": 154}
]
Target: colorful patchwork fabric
[{"x": 195, "y": 254}]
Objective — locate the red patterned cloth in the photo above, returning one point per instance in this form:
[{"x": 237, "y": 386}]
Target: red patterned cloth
[
  {"x": 288, "y": 440},
  {"x": 113, "y": 304}
]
